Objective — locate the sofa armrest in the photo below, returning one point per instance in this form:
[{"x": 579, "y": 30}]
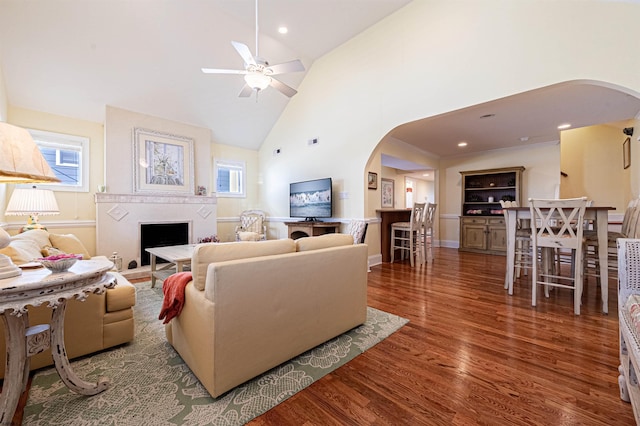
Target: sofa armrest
[{"x": 122, "y": 296}]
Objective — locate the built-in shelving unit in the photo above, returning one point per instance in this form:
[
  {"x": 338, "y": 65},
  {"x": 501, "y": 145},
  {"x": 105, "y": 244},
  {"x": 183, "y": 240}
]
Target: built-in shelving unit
[{"x": 482, "y": 227}]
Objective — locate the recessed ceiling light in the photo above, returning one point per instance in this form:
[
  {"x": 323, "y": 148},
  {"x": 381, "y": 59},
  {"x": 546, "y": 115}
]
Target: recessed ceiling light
[
  {"x": 461, "y": 144},
  {"x": 524, "y": 138},
  {"x": 564, "y": 126},
  {"x": 283, "y": 30}
]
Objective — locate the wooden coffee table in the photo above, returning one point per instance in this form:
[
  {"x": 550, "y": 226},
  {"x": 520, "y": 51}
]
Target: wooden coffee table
[{"x": 177, "y": 256}]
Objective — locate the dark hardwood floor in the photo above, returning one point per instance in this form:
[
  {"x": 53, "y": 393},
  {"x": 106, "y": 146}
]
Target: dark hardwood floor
[{"x": 471, "y": 354}]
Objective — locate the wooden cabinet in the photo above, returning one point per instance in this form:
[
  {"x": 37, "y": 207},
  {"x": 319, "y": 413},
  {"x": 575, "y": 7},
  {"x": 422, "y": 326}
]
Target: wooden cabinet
[
  {"x": 482, "y": 227},
  {"x": 311, "y": 229}
]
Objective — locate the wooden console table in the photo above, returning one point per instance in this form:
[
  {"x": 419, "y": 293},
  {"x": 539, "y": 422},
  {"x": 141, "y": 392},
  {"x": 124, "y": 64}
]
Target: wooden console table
[
  {"x": 311, "y": 229},
  {"x": 37, "y": 287},
  {"x": 389, "y": 216}
]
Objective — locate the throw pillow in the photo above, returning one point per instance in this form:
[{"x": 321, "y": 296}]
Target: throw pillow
[
  {"x": 248, "y": 236},
  {"x": 50, "y": 251},
  {"x": 38, "y": 236},
  {"x": 22, "y": 251},
  {"x": 69, "y": 243}
]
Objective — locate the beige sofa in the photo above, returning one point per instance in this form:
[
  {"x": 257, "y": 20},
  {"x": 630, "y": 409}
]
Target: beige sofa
[
  {"x": 253, "y": 305},
  {"x": 101, "y": 321}
]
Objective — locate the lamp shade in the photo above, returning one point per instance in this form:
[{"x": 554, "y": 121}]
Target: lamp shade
[
  {"x": 20, "y": 158},
  {"x": 32, "y": 201}
]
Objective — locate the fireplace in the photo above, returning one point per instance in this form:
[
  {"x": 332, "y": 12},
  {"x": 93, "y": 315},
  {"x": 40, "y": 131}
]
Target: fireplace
[
  {"x": 161, "y": 235},
  {"x": 119, "y": 218}
]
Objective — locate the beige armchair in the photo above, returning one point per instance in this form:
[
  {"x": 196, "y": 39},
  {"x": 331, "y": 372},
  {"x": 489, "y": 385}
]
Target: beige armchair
[{"x": 252, "y": 226}]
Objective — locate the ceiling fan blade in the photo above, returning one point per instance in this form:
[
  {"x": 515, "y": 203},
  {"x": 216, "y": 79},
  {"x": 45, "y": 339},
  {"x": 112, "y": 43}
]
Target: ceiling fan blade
[
  {"x": 283, "y": 88},
  {"x": 244, "y": 51},
  {"x": 222, "y": 71},
  {"x": 285, "y": 67},
  {"x": 245, "y": 92}
]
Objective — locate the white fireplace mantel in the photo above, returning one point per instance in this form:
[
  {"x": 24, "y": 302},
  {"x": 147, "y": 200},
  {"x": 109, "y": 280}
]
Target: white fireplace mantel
[
  {"x": 105, "y": 197},
  {"x": 119, "y": 216}
]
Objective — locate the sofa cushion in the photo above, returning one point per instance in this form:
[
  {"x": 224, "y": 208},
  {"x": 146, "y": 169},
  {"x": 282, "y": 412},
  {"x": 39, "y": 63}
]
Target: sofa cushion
[
  {"x": 69, "y": 243},
  {"x": 323, "y": 241},
  {"x": 26, "y": 246},
  {"x": 204, "y": 254}
]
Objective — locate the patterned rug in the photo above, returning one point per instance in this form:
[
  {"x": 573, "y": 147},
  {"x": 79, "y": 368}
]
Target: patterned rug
[{"x": 151, "y": 385}]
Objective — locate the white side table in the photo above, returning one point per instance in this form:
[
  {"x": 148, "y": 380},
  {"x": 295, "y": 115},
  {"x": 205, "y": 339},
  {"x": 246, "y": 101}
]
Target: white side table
[
  {"x": 178, "y": 255},
  {"x": 36, "y": 287}
]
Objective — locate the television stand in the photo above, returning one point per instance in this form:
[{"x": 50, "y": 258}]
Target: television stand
[{"x": 311, "y": 229}]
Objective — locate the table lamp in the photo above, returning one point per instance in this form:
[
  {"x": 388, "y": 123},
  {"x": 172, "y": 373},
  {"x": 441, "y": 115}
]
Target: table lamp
[
  {"x": 20, "y": 162},
  {"x": 32, "y": 202}
]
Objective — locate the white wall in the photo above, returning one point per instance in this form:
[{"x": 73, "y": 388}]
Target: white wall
[
  {"x": 4, "y": 101},
  {"x": 593, "y": 148},
  {"x": 118, "y": 153}
]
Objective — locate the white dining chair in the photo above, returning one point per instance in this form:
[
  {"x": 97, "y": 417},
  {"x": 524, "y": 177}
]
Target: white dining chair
[
  {"x": 406, "y": 236},
  {"x": 557, "y": 224},
  {"x": 427, "y": 231},
  {"x": 523, "y": 248},
  {"x": 628, "y": 229}
]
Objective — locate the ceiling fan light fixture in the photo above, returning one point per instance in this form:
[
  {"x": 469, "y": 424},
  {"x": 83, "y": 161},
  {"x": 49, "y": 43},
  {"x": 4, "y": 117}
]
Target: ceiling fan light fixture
[{"x": 257, "y": 81}]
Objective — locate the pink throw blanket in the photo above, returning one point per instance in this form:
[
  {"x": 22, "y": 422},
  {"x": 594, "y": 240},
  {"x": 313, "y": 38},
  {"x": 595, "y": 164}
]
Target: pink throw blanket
[{"x": 173, "y": 289}]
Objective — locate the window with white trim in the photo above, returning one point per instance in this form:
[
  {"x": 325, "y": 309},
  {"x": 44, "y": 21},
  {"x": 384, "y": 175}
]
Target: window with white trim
[
  {"x": 230, "y": 178},
  {"x": 68, "y": 157}
]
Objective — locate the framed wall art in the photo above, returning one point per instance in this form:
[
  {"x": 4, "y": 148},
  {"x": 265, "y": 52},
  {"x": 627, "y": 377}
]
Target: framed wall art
[
  {"x": 372, "y": 180},
  {"x": 163, "y": 163},
  {"x": 626, "y": 153},
  {"x": 387, "y": 193}
]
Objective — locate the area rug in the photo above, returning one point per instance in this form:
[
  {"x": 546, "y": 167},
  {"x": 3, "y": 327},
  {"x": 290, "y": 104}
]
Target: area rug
[{"x": 151, "y": 385}]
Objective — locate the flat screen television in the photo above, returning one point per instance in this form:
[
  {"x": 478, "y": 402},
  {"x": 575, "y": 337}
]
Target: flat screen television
[{"x": 311, "y": 199}]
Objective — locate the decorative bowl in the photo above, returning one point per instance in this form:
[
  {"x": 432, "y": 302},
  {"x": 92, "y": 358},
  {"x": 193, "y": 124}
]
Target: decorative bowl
[{"x": 59, "y": 262}]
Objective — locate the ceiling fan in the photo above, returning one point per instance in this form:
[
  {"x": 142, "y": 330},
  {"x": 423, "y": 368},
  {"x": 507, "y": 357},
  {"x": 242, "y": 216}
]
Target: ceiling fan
[{"x": 258, "y": 74}]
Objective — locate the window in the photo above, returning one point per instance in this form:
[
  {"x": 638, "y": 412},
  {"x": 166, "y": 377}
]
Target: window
[
  {"x": 230, "y": 178},
  {"x": 68, "y": 157}
]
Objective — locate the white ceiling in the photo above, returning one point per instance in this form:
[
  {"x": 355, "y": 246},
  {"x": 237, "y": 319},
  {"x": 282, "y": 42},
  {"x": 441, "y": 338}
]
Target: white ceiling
[
  {"x": 73, "y": 57},
  {"x": 519, "y": 120}
]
